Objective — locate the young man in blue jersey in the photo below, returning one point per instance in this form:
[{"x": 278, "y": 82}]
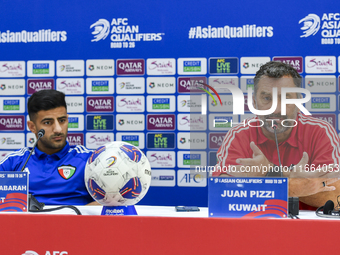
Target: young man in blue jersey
[{"x": 56, "y": 168}]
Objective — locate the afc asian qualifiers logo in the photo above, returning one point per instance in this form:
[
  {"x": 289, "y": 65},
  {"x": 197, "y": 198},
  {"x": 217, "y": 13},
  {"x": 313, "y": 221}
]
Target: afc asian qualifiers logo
[
  {"x": 66, "y": 171},
  {"x": 101, "y": 30},
  {"x": 311, "y": 25},
  {"x": 29, "y": 252}
]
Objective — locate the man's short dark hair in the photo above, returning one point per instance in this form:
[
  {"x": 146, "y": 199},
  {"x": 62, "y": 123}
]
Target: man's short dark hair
[
  {"x": 45, "y": 100},
  {"x": 275, "y": 69}
]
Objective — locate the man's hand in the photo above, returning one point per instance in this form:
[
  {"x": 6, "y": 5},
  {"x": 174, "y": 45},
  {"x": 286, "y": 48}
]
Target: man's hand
[
  {"x": 304, "y": 181},
  {"x": 302, "y": 187},
  {"x": 258, "y": 160}
]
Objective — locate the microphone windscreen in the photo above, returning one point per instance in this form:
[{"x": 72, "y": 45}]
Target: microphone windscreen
[
  {"x": 328, "y": 207},
  {"x": 41, "y": 133}
]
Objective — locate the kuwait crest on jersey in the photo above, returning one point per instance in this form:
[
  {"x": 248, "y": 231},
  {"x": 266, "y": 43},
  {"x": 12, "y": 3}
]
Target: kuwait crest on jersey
[{"x": 66, "y": 171}]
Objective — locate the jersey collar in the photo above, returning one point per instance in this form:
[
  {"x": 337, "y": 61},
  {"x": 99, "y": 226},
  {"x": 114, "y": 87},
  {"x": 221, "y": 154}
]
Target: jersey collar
[
  {"x": 39, "y": 154},
  {"x": 292, "y": 139}
]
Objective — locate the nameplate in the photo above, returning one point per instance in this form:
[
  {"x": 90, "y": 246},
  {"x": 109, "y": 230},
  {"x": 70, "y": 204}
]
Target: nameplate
[
  {"x": 248, "y": 197},
  {"x": 13, "y": 191}
]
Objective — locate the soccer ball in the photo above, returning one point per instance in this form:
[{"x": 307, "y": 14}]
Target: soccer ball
[{"x": 117, "y": 174}]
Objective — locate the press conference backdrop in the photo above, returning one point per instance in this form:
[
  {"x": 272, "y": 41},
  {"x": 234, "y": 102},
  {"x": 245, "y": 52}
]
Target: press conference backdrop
[{"x": 130, "y": 71}]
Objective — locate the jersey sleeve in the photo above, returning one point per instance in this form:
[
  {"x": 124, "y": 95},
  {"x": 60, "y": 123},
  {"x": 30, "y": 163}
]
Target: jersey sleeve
[
  {"x": 236, "y": 144},
  {"x": 326, "y": 147},
  {"x": 13, "y": 161}
]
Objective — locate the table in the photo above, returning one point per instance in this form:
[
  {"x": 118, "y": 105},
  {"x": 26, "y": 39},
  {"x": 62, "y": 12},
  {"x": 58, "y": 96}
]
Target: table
[{"x": 161, "y": 230}]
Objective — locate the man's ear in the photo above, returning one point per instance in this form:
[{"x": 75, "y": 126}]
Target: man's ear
[{"x": 32, "y": 126}]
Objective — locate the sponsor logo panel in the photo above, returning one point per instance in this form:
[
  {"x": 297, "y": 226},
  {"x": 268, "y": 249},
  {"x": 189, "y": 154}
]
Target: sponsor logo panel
[
  {"x": 222, "y": 122},
  {"x": 12, "y": 123},
  {"x": 100, "y": 67},
  {"x": 189, "y": 103},
  {"x": 216, "y": 140},
  {"x": 161, "y": 85},
  {"x": 247, "y": 82},
  {"x": 136, "y": 139},
  {"x": 161, "y": 159},
  {"x": 191, "y": 140},
  {"x": 40, "y": 68},
  {"x": 161, "y": 122},
  {"x": 127, "y": 85},
  {"x": 99, "y": 85},
  {"x": 321, "y": 103},
  {"x": 12, "y": 68},
  {"x": 12, "y": 105},
  {"x": 191, "y": 159},
  {"x": 75, "y": 138},
  {"x": 75, "y": 122},
  {"x": 161, "y": 66},
  {"x": 70, "y": 68},
  {"x": 30, "y": 139},
  {"x": 320, "y": 64},
  {"x": 10, "y": 87},
  {"x": 130, "y": 103},
  {"x": 74, "y": 104},
  {"x": 95, "y": 140},
  {"x": 34, "y": 85},
  {"x": 187, "y": 178},
  {"x": 330, "y": 118},
  {"x": 163, "y": 178},
  {"x": 10, "y": 141},
  {"x": 223, "y": 66},
  {"x": 99, "y": 104},
  {"x": 99, "y": 122},
  {"x": 219, "y": 83},
  {"x": 160, "y": 140},
  {"x": 227, "y": 104},
  {"x": 161, "y": 103},
  {"x": 296, "y": 62},
  {"x": 130, "y": 67},
  {"x": 71, "y": 86},
  {"x": 191, "y": 122},
  {"x": 130, "y": 122},
  {"x": 250, "y": 65},
  {"x": 191, "y": 84},
  {"x": 192, "y": 66},
  {"x": 320, "y": 83}
]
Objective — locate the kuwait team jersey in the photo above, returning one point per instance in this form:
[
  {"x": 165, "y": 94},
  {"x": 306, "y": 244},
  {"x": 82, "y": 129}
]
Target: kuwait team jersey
[{"x": 56, "y": 179}]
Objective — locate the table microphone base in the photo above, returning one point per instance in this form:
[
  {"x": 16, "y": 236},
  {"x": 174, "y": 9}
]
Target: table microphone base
[{"x": 293, "y": 205}]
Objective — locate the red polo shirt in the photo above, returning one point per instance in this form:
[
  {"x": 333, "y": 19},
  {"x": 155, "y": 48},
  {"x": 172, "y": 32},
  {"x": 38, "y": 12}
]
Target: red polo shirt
[{"x": 314, "y": 136}]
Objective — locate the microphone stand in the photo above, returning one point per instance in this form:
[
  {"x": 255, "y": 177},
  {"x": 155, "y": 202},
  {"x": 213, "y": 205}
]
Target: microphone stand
[{"x": 33, "y": 203}]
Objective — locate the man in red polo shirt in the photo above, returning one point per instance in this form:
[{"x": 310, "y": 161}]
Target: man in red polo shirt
[{"x": 308, "y": 143}]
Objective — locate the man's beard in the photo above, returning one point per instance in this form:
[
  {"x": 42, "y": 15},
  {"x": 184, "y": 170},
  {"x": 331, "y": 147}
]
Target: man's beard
[
  {"x": 47, "y": 142},
  {"x": 269, "y": 122}
]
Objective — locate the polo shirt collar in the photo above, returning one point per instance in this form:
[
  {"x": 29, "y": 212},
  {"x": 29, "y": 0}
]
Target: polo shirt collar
[
  {"x": 292, "y": 139},
  {"x": 39, "y": 154}
]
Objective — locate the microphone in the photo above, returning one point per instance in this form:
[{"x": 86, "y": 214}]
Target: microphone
[
  {"x": 274, "y": 127},
  {"x": 293, "y": 202},
  {"x": 41, "y": 133}
]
